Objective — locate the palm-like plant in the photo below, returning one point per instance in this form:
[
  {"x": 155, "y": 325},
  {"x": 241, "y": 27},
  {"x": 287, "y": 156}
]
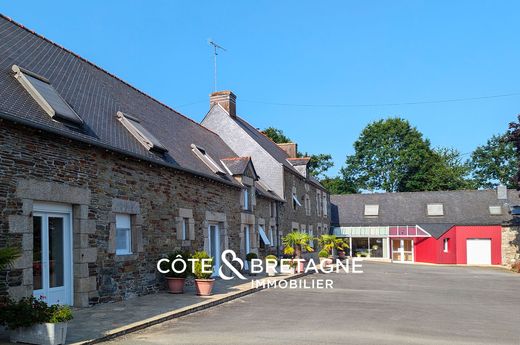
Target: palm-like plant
[
  {"x": 295, "y": 241},
  {"x": 331, "y": 242},
  {"x": 7, "y": 256}
]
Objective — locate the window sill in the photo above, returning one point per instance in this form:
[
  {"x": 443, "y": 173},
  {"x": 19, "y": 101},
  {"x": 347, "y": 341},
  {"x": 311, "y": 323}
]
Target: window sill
[{"x": 126, "y": 257}]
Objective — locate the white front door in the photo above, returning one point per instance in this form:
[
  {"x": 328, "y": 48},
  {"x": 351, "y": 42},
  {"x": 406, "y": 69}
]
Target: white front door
[
  {"x": 52, "y": 254},
  {"x": 214, "y": 247},
  {"x": 478, "y": 251}
]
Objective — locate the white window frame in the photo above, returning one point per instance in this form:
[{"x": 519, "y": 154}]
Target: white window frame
[
  {"x": 435, "y": 209},
  {"x": 247, "y": 204},
  {"x": 124, "y": 223},
  {"x": 445, "y": 244},
  {"x": 371, "y": 210},
  {"x": 272, "y": 236}
]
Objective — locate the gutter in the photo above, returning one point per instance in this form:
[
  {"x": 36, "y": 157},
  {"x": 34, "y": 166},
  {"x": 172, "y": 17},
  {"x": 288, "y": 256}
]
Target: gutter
[{"x": 32, "y": 124}]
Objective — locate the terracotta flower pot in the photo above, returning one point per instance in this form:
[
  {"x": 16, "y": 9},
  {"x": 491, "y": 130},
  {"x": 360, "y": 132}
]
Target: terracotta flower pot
[
  {"x": 176, "y": 285},
  {"x": 204, "y": 286}
]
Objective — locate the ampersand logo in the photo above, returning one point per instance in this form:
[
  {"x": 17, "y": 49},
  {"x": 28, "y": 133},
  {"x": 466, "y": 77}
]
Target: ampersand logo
[{"x": 229, "y": 264}]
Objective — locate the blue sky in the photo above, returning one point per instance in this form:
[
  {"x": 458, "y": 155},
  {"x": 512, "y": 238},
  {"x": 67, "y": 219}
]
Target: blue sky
[{"x": 308, "y": 53}]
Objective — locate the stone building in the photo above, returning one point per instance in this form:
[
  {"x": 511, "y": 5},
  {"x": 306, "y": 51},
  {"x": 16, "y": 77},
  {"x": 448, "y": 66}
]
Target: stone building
[
  {"x": 306, "y": 202},
  {"x": 99, "y": 180}
]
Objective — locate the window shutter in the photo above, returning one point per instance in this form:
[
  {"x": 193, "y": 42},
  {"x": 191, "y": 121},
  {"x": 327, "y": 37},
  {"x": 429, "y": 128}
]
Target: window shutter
[
  {"x": 191, "y": 229},
  {"x": 178, "y": 222}
]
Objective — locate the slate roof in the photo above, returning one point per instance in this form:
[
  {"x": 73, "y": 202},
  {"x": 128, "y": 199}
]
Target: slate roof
[
  {"x": 236, "y": 165},
  {"x": 465, "y": 207},
  {"x": 96, "y": 96},
  {"x": 272, "y": 148},
  {"x": 299, "y": 161}
]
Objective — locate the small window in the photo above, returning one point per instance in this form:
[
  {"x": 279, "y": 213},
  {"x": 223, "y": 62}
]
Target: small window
[
  {"x": 325, "y": 205},
  {"x": 134, "y": 126},
  {"x": 371, "y": 210},
  {"x": 185, "y": 228},
  {"x": 247, "y": 199},
  {"x": 445, "y": 245},
  {"x": 46, "y": 96},
  {"x": 203, "y": 156},
  {"x": 435, "y": 210},
  {"x": 495, "y": 210},
  {"x": 273, "y": 209},
  {"x": 123, "y": 234},
  {"x": 296, "y": 202},
  {"x": 311, "y": 234},
  {"x": 263, "y": 236},
  {"x": 271, "y": 236}
]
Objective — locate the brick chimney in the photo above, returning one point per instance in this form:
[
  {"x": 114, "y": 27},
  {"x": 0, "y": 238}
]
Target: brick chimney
[
  {"x": 290, "y": 148},
  {"x": 226, "y": 99}
]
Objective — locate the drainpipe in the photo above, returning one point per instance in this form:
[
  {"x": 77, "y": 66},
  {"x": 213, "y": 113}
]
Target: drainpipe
[{"x": 277, "y": 229}]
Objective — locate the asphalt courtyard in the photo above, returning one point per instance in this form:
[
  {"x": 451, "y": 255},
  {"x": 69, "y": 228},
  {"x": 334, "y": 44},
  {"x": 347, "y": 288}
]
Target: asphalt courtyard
[{"x": 387, "y": 304}]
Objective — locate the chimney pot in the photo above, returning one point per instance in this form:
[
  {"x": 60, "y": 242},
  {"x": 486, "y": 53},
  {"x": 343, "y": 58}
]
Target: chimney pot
[{"x": 226, "y": 99}]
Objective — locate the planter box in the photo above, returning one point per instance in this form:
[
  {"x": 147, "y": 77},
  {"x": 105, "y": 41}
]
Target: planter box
[{"x": 42, "y": 333}]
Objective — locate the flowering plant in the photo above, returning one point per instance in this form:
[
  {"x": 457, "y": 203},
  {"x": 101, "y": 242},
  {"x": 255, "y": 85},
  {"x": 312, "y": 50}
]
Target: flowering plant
[{"x": 30, "y": 311}]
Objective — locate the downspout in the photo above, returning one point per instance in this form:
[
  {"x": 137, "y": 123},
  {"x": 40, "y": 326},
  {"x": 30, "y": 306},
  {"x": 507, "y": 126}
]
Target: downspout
[{"x": 277, "y": 224}]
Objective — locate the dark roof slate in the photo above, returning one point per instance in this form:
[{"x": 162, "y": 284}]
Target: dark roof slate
[
  {"x": 236, "y": 165},
  {"x": 464, "y": 207},
  {"x": 96, "y": 96}
]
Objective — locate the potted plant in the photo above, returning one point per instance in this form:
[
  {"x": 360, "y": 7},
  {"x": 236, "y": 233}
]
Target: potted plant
[
  {"x": 203, "y": 281},
  {"x": 177, "y": 280},
  {"x": 271, "y": 259},
  {"x": 249, "y": 258},
  {"x": 324, "y": 257},
  {"x": 294, "y": 242},
  {"x": 331, "y": 243},
  {"x": 32, "y": 321}
]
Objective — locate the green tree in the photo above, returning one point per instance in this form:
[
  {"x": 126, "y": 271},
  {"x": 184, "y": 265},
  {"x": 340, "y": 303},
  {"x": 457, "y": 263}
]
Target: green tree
[
  {"x": 513, "y": 136},
  {"x": 495, "y": 163},
  {"x": 393, "y": 156},
  {"x": 338, "y": 185},
  {"x": 318, "y": 164}
]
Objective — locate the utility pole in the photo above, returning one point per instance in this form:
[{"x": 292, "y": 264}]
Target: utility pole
[{"x": 216, "y": 47}]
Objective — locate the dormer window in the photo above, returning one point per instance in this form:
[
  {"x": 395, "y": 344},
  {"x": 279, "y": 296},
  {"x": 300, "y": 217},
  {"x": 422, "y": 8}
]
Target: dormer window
[
  {"x": 435, "y": 209},
  {"x": 46, "y": 96},
  {"x": 203, "y": 156},
  {"x": 134, "y": 126}
]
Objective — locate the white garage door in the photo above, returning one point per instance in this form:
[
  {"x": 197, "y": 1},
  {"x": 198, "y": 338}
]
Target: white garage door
[{"x": 478, "y": 251}]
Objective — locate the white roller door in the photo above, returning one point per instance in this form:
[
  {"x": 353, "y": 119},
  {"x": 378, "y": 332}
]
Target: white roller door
[{"x": 478, "y": 251}]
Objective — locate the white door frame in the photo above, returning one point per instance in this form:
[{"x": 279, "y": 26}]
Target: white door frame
[
  {"x": 247, "y": 243},
  {"x": 216, "y": 256},
  {"x": 401, "y": 250},
  {"x": 61, "y": 295}
]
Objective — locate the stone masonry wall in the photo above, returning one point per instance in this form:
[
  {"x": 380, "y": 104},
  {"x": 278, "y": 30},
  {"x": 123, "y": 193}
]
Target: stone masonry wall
[
  {"x": 35, "y": 165},
  {"x": 510, "y": 244}
]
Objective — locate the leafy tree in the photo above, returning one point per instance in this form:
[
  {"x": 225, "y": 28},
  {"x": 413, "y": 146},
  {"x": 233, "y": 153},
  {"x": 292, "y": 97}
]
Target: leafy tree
[
  {"x": 513, "y": 136},
  {"x": 495, "y": 163},
  {"x": 393, "y": 156},
  {"x": 338, "y": 185},
  {"x": 389, "y": 154},
  {"x": 318, "y": 164}
]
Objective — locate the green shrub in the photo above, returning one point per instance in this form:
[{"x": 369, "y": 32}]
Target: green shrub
[
  {"x": 171, "y": 257},
  {"x": 251, "y": 256},
  {"x": 30, "y": 311},
  {"x": 323, "y": 254},
  {"x": 197, "y": 265},
  {"x": 271, "y": 258}
]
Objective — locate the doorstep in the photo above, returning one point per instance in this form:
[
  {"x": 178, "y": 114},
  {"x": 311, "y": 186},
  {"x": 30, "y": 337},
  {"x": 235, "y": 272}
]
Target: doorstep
[{"x": 109, "y": 320}]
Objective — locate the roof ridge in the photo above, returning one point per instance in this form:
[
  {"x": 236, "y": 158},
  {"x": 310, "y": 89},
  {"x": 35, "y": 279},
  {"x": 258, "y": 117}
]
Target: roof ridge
[
  {"x": 262, "y": 133},
  {"x": 101, "y": 69}
]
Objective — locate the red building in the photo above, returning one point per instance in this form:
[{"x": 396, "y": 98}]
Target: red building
[{"x": 447, "y": 227}]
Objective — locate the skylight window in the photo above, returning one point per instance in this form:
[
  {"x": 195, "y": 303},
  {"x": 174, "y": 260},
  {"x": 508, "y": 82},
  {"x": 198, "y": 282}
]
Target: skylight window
[
  {"x": 46, "y": 96},
  {"x": 435, "y": 210},
  {"x": 495, "y": 210},
  {"x": 203, "y": 156},
  {"x": 135, "y": 127},
  {"x": 371, "y": 210}
]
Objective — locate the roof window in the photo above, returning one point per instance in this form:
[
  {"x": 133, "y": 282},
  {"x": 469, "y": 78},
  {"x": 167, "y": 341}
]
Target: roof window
[
  {"x": 495, "y": 210},
  {"x": 135, "y": 127},
  {"x": 203, "y": 156},
  {"x": 46, "y": 96},
  {"x": 371, "y": 210},
  {"x": 435, "y": 209}
]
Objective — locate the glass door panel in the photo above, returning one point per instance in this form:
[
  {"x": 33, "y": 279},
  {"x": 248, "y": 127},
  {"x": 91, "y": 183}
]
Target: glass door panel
[
  {"x": 37, "y": 253},
  {"x": 56, "y": 252}
]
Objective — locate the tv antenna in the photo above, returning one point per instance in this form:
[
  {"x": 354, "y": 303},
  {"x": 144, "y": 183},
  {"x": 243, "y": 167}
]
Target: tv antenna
[{"x": 216, "y": 47}]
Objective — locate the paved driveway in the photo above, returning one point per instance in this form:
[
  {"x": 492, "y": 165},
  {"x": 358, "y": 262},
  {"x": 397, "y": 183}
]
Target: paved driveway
[{"x": 388, "y": 304}]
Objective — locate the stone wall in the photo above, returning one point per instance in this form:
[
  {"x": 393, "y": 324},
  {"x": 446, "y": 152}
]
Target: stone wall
[
  {"x": 510, "y": 244},
  {"x": 35, "y": 165},
  {"x": 301, "y": 218}
]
